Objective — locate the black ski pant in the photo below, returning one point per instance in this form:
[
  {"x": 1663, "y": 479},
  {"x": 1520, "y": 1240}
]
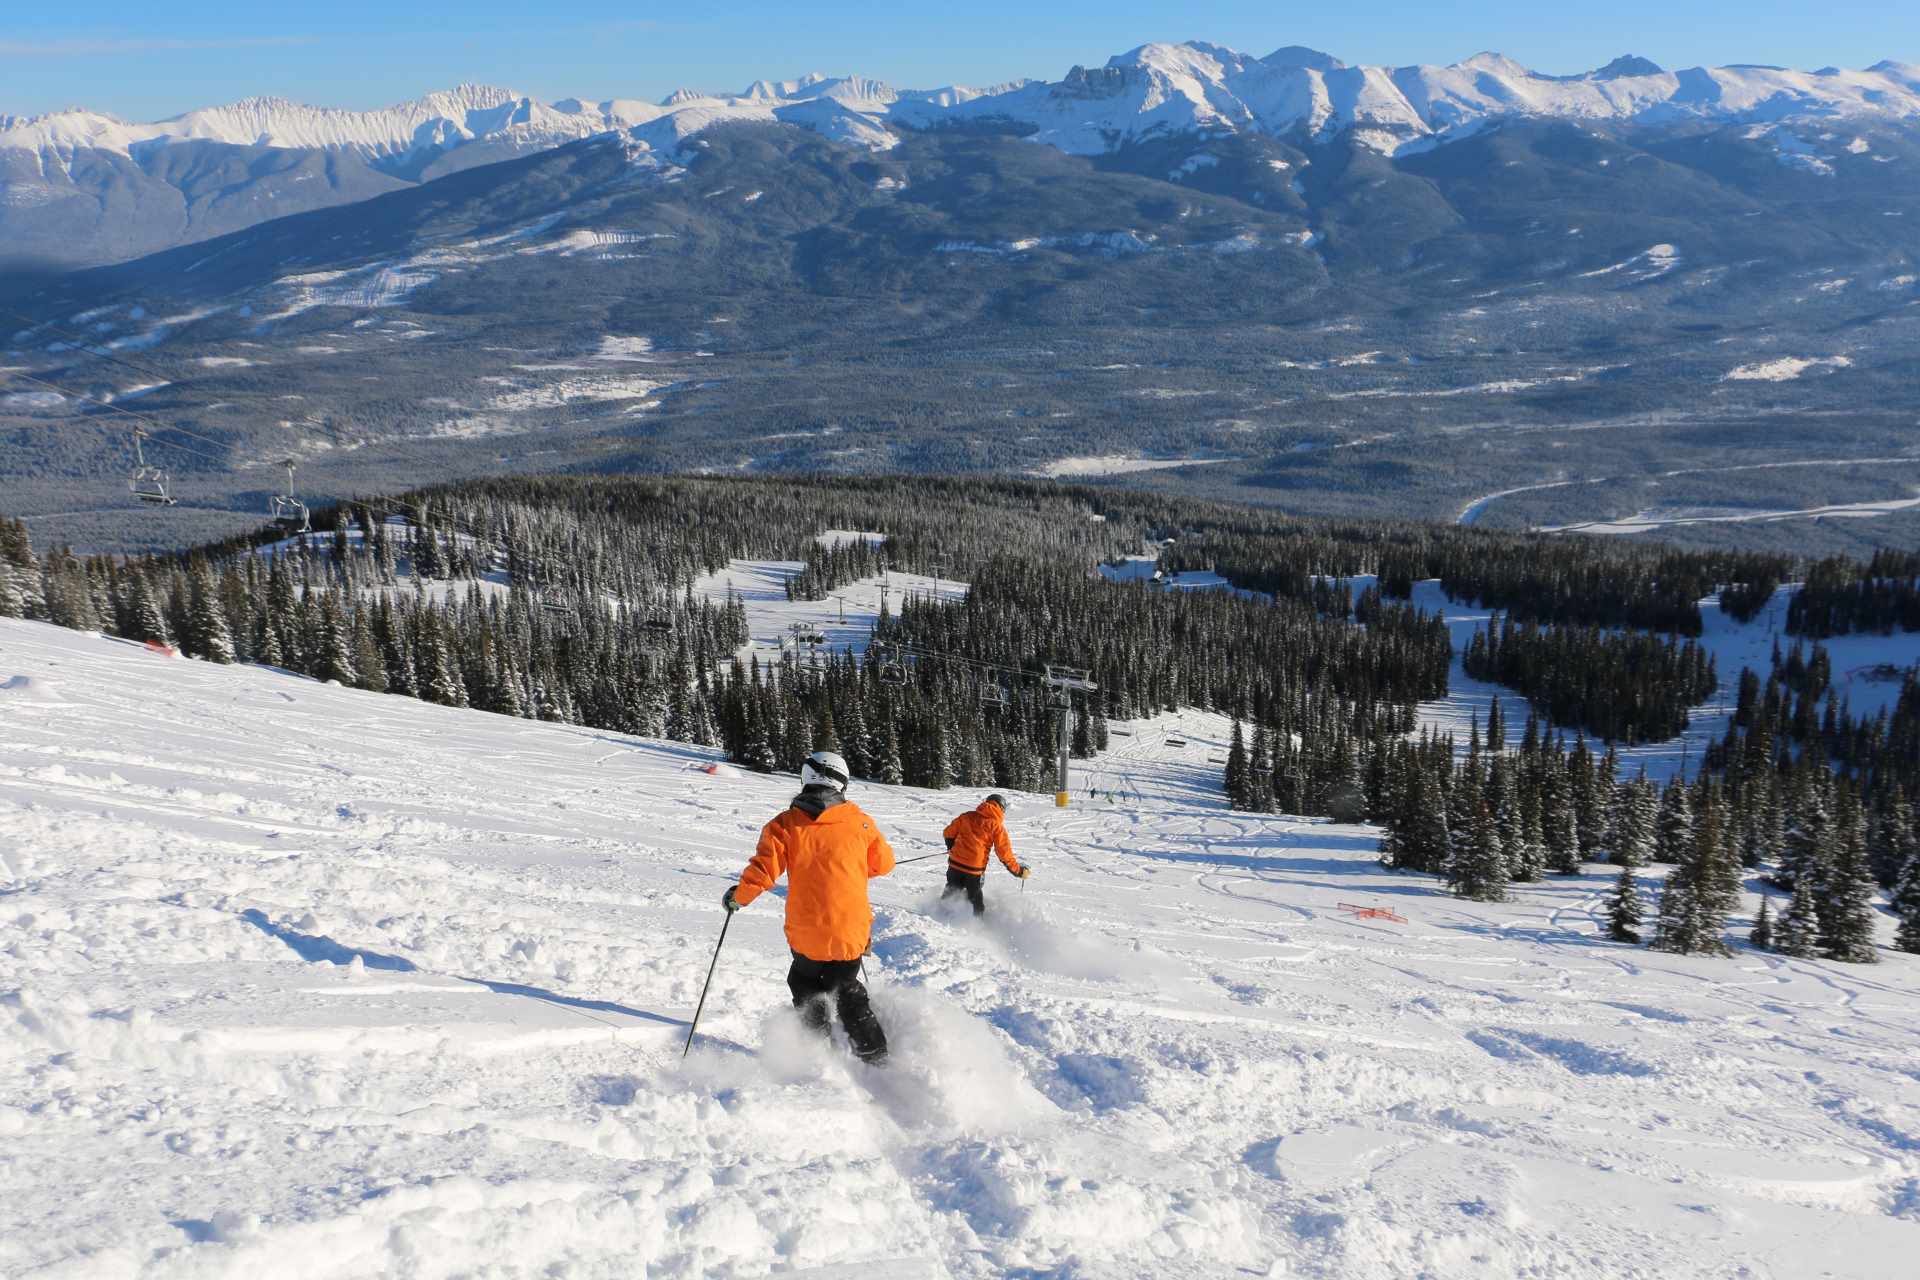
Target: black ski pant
[
  {"x": 813, "y": 982},
  {"x": 958, "y": 882}
]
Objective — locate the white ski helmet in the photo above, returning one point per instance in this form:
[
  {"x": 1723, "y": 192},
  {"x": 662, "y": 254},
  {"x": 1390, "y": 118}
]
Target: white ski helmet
[{"x": 825, "y": 769}]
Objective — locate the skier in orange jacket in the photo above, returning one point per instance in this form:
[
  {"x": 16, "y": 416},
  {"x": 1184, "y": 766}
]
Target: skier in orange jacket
[
  {"x": 828, "y": 849},
  {"x": 970, "y": 837}
]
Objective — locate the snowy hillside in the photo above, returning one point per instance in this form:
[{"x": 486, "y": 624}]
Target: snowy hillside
[{"x": 296, "y": 979}]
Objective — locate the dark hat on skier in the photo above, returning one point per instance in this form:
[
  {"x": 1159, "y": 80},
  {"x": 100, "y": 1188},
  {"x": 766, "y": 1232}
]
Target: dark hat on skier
[{"x": 997, "y": 798}]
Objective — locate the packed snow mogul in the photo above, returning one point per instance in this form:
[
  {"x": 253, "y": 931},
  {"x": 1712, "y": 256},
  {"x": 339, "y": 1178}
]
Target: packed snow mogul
[
  {"x": 828, "y": 849},
  {"x": 970, "y": 837}
]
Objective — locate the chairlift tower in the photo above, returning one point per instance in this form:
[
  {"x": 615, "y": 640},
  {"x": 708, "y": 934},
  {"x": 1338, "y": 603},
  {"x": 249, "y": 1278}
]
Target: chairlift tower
[
  {"x": 807, "y": 640},
  {"x": 1061, "y": 684}
]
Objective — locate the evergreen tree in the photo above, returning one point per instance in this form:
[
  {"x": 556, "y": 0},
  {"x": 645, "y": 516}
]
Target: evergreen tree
[
  {"x": 1260, "y": 772},
  {"x": 1673, "y": 829},
  {"x": 1639, "y": 811},
  {"x": 1808, "y": 851},
  {"x": 1689, "y": 922},
  {"x": 148, "y": 622},
  {"x": 1557, "y": 815},
  {"x": 207, "y": 633},
  {"x": 1762, "y": 935},
  {"x": 1906, "y": 906},
  {"x": 1624, "y": 912},
  {"x": 1480, "y": 869},
  {"x": 1237, "y": 769},
  {"x": 335, "y": 647},
  {"x": 892, "y": 771},
  {"x": 1847, "y": 922},
  {"x": 1794, "y": 934}
]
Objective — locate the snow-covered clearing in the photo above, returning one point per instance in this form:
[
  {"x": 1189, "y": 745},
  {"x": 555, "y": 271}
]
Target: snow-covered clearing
[
  {"x": 1649, "y": 264},
  {"x": 1734, "y": 646},
  {"x": 1786, "y": 368},
  {"x": 845, "y": 619},
  {"x": 555, "y": 393},
  {"x": 1118, "y": 464},
  {"x": 305, "y": 980}
]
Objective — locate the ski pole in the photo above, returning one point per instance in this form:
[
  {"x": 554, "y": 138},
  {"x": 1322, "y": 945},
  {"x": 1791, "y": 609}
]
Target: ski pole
[
  {"x": 695, "y": 1024},
  {"x": 922, "y": 858}
]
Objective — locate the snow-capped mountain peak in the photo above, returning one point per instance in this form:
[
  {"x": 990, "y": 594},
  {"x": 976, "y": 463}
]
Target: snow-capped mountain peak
[
  {"x": 1298, "y": 55},
  {"x": 1155, "y": 90}
]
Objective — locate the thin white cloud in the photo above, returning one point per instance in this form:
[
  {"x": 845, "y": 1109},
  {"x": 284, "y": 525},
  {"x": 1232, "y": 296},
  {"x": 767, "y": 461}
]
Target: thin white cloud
[{"x": 97, "y": 47}]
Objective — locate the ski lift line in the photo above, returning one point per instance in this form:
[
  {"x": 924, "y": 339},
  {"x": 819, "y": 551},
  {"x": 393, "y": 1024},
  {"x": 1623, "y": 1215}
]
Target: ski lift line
[
  {"x": 82, "y": 343},
  {"x": 112, "y": 428},
  {"x": 153, "y": 423},
  {"x": 977, "y": 663}
]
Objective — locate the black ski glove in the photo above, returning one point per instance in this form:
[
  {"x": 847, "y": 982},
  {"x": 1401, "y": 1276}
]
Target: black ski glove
[{"x": 726, "y": 900}]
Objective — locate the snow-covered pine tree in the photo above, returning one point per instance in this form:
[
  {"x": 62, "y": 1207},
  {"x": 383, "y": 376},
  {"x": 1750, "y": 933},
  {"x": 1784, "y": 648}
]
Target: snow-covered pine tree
[
  {"x": 1508, "y": 821},
  {"x": 1260, "y": 771},
  {"x": 148, "y": 621},
  {"x": 1480, "y": 868},
  {"x": 1465, "y": 795},
  {"x": 1433, "y": 839},
  {"x": 1624, "y": 911},
  {"x": 1762, "y": 935},
  {"x": 1633, "y": 844},
  {"x": 1808, "y": 847},
  {"x": 1673, "y": 827},
  {"x": 1847, "y": 923},
  {"x": 1720, "y": 884},
  {"x": 1236, "y": 779},
  {"x": 335, "y": 652},
  {"x": 1906, "y": 905},
  {"x": 208, "y": 636},
  {"x": 1794, "y": 934},
  {"x": 1559, "y": 817},
  {"x": 892, "y": 771},
  {"x": 1688, "y": 923}
]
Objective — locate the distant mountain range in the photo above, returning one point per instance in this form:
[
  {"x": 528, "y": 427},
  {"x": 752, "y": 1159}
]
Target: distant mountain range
[
  {"x": 79, "y": 187},
  {"x": 1463, "y": 292}
]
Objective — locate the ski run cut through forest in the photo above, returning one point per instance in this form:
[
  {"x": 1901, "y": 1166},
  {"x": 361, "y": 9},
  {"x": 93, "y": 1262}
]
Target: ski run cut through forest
[{"x": 302, "y": 978}]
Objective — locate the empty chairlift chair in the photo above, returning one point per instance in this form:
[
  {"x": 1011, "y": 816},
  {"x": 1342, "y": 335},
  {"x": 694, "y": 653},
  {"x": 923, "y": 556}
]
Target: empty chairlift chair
[
  {"x": 286, "y": 510},
  {"x": 147, "y": 483}
]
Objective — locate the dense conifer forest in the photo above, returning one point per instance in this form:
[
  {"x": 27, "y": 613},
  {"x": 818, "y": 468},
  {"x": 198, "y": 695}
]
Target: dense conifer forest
[
  {"x": 1628, "y": 687},
  {"x": 572, "y": 600},
  {"x": 1842, "y": 596}
]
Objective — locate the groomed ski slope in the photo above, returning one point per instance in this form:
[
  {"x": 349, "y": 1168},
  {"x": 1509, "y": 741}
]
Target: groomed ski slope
[{"x": 300, "y": 980}]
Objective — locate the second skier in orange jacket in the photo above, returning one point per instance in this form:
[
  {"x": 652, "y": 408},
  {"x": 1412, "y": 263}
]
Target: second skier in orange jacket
[{"x": 970, "y": 838}]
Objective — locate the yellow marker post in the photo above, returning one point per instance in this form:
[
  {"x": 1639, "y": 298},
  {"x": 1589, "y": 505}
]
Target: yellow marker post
[{"x": 1059, "y": 799}]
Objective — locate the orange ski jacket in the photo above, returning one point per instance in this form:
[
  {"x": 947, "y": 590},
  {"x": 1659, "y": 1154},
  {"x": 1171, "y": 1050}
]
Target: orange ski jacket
[
  {"x": 973, "y": 834},
  {"x": 827, "y": 856}
]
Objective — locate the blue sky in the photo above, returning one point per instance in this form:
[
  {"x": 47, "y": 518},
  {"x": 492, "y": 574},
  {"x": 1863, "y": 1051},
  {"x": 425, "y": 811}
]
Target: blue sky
[{"x": 146, "y": 61}]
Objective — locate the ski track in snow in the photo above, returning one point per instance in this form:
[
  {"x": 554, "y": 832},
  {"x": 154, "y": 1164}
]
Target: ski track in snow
[{"x": 296, "y": 979}]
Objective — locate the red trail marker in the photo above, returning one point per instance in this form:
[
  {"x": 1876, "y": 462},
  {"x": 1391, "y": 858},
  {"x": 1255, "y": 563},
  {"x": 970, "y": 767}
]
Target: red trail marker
[{"x": 1369, "y": 913}]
